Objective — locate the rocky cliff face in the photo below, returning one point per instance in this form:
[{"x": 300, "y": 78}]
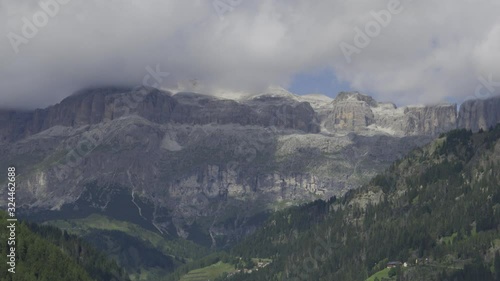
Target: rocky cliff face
[
  {"x": 89, "y": 107},
  {"x": 350, "y": 111},
  {"x": 479, "y": 114},
  {"x": 429, "y": 120},
  {"x": 358, "y": 112},
  {"x": 204, "y": 164}
]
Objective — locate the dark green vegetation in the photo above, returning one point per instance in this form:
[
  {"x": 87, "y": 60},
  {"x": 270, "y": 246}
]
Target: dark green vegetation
[
  {"x": 145, "y": 254},
  {"x": 437, "y": 209},
  {"x": 49, "y": 254}
]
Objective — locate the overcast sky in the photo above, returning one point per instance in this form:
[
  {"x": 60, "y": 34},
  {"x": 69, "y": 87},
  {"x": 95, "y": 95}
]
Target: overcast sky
[{"x": 428, "y": 52}]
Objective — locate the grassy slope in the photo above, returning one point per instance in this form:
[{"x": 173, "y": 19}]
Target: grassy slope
[
  {"x": 208, "y": 273},
  {"x": 384, "y": 273},
  {"x": 178, "y": 249},
  {"x": 98, "y": 222}
]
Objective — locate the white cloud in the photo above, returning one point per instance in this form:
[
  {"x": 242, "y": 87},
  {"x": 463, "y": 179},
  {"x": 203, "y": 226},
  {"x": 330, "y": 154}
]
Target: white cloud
[
  {"x": 430, "y": 51},
  {"x": 487, "y": 53}
]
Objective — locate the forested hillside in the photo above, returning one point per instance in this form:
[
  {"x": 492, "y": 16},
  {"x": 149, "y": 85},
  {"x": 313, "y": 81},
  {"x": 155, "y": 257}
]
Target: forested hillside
[
  {"x": 46, "y": 253},
  {"x": 437, "y": 210}
]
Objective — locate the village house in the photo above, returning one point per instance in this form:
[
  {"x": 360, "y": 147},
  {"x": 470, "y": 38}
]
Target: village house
[{"x": 393, "y": 264}]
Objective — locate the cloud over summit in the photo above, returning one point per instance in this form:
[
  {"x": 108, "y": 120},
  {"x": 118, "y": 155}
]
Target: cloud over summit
[{"x": 429, "y": 52}]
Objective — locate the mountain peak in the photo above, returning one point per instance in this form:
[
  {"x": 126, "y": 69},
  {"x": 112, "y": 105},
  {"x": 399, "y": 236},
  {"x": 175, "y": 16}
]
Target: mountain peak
[
  {"x": 275, "y": 92},
  {"x": 354, "y": 96}
]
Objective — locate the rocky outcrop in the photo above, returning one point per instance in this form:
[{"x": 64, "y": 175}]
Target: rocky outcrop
[
  {"x": 261, "y": 111},
  {"x": 13, "y": 124},
  {"x": 92, "y": 106},
  {"x": 89, "y": 107},
  {"x": 479, "y": 114},
  {"x": 350, "y": 112},
  {"x": 355, "y": 96},
  {"x": 429, "y": 120},
  {"x": 362, "y": 114}
]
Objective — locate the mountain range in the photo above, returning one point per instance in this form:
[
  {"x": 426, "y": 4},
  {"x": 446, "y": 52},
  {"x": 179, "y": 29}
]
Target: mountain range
[
  {"x": 207, "y": 169},
  {"x": 189, "y": 156}
]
